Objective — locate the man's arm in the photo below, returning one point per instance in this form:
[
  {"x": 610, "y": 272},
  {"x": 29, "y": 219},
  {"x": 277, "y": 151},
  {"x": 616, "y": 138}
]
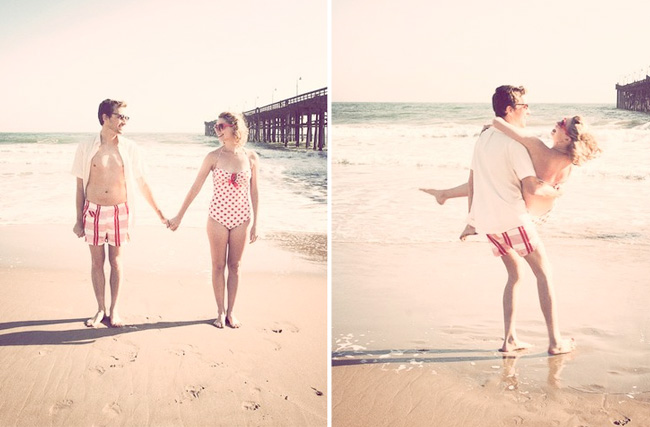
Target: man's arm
[
  {"x": 78, "y": 228},
  {"x": 536, "y": 187},
  {"x": 146, "y": 192}
]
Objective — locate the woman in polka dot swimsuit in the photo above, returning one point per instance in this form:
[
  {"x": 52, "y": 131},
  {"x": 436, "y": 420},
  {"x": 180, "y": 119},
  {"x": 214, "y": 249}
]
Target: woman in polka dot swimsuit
[{"x": 233, "y": 209}]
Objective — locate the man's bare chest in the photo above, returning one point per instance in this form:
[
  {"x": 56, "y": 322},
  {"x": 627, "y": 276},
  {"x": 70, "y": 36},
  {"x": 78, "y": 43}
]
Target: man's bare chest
[{"x": 107, "y": 161}]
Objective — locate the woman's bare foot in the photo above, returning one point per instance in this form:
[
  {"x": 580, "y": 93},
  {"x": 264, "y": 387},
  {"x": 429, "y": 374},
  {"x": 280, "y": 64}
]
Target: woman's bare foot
[
  {"x": 220, "y": 321},
  {"x": 232, "y": 322},
  {"x": 96, "y": 320},
  {"x": 440, "y": 196},
  {"x": 468, "y": 231},
  {"x": 116, "y": 321},
  {"x": 514, "y": 345},
  {"x": 566, "y": 345}
]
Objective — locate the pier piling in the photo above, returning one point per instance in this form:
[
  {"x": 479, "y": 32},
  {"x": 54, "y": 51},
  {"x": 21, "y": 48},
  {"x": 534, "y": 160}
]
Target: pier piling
[{"x": 634, "y": 96}]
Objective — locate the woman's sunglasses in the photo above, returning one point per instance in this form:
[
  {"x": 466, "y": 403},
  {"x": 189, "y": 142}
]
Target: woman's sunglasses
[{"x": 221, "y": 126}]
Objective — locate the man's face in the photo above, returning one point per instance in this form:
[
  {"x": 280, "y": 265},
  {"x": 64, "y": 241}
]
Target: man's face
[
  {"x": 519, "y": 114},
  {"x": 117, "y": 120}
]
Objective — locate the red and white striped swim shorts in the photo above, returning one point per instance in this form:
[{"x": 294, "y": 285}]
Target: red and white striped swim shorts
[
  {"x": 524, "y": 240},
  {"x": 106, "y": 224}
]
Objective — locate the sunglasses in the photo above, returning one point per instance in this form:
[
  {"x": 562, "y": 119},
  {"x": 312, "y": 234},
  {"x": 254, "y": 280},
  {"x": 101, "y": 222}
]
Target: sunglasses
[
  {"x": 523, "y": 105},
  {"x": 121, "y": 117},
  {"x": 221, "y": 126}
]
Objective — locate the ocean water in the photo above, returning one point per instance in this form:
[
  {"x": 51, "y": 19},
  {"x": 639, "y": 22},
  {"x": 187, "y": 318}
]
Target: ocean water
[
  {"x": 382, "y": 154},
  {"x": 397, "y": 303},
  {"x": 37, "y": 187}
]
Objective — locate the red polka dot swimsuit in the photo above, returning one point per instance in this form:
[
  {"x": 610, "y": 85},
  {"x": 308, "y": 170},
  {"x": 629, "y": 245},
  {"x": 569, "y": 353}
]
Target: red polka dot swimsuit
[{"x": 231, "y": 204}]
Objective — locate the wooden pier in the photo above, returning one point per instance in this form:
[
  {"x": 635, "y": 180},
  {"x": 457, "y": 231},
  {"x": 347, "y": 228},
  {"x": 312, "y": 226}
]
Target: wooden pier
[
  {"x": 634, "y": 96},
  {"x": 301, "y": 119}
]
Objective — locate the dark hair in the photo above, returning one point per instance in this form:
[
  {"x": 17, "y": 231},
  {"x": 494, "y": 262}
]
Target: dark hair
[
  {"x": 239, "y": 126},
  {"x": 108, "y": 107},
  {"x": 506, "y": 96}
]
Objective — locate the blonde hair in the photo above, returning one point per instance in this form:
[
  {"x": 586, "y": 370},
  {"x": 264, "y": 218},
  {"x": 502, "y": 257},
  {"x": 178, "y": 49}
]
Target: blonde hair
[
  {"x": 239, "y": 126},
  {"x": 583, "y": 144}
]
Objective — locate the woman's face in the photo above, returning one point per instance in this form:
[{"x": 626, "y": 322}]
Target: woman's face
[
  {"x": 224, "y": 131},
  {"x": 560, "y": 132}
]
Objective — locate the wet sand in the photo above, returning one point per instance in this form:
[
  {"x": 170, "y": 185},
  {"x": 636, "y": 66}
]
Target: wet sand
[{"x": 416, "y": 330}]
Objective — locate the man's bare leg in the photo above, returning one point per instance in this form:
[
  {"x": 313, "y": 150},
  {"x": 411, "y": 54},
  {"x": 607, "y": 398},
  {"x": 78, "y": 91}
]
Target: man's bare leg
[
  {"x": 115, "y": 260},
  {"x": 538, "y": 262},
  {"x": 448, "y": 193},
  {"x": 513, "y": 265},
  {"x": 97, "y": 257}
]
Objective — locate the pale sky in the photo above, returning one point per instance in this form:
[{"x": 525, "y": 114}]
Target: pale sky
[
  {"x": 176, "y": 62},
  {"x": 564, "y": 51}
]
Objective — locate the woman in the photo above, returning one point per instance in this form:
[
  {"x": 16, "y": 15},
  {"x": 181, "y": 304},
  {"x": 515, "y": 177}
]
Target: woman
[
  {"x": 572, "y": 145},
  {"x": 233, "y": 210}
]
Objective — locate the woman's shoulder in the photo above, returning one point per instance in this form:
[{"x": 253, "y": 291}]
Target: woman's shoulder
[{"x": 252, "y": 155}]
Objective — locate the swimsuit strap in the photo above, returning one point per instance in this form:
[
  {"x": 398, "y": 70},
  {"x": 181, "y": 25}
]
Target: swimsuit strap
[{"x": 216, "y": 163}]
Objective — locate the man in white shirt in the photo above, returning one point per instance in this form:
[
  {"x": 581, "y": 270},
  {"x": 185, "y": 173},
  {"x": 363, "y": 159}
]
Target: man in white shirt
[
  {"x": 108, "y": 169},
  {"x": 501, "y": 170}
]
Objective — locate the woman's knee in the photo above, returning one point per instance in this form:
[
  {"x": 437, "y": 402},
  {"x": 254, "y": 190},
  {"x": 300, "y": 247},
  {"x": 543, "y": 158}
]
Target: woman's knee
[
  {"x": 233, "y": 267},
  {"x": 218, "y": 267}
]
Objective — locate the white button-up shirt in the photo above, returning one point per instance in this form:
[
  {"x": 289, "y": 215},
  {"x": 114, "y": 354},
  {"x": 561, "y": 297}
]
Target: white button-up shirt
[{"x": 134, "y": 167}]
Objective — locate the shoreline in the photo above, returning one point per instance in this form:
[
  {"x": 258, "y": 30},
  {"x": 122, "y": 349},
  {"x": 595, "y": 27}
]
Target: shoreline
[
  {"x": 416, "y": 328},
  {"x": 168, "y": 365}
]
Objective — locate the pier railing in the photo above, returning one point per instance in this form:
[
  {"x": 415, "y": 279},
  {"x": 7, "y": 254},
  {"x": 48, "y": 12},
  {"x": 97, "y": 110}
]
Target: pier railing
[{"x": 297, "y": 120}]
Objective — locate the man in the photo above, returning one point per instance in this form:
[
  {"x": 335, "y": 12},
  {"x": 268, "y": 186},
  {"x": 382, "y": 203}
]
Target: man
[
  {"x": 501, "y": 170},
  {"x": 107, "y": 170}
]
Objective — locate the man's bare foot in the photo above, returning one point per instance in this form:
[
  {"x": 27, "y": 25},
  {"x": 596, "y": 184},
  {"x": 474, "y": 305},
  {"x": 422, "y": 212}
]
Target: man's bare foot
[
  {"x": 116, "y": 321},
  {"x": 438, "y": 194},
  {"x": 232, "y": 322},
  {"x": 514, "y": 345},
  {"x": 96, "y": 320},
  {"x": 566, "y": 345},
  {"x": 220, "y": 321},
  {"x": 468, "y": 231}
]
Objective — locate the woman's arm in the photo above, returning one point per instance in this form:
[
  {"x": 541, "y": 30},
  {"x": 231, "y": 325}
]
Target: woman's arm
[
  {"x": 254, "y": 159},
  {"x": 532, "y": 143},
  {"x": 205, "y": 169}
]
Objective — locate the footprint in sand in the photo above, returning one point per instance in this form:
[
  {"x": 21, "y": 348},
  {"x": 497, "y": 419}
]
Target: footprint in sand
[
  {"x": 99, "y": 370},
  {"x": 193, "y": 391},
  {"x": 286, "y": 327},
  {"x": 112, "y": 409},
  {"x": 61, "y": 406},
  {"x": 250, "y": 406},
  {"x": 276, "y": 345}
]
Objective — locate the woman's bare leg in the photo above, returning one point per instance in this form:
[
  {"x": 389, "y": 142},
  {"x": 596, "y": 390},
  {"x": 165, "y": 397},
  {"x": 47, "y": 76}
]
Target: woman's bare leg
[
  {"x": 218, "y": 236},
  {"x": 448, "y": 193}
]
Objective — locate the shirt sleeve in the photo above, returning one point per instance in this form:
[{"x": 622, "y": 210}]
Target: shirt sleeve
[
  {"x": 137, "y": 163},
  {"x": 521, "y": 161},
  {"x": 77, "y": 166}
]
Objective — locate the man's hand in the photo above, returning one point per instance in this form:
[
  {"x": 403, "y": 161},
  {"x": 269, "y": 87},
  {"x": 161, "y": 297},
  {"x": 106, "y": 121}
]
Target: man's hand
[{"x": 78, "y": 229}]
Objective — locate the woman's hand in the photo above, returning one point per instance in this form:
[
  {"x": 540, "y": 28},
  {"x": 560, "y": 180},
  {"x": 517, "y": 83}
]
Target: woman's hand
[
  {"x": 253, "y": 234},
  {"x": 174, "y": 223}
]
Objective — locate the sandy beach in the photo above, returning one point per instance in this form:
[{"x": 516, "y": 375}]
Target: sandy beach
[
  {"x": 416, "y": 328},
  {"x": 169, "y": 366}
]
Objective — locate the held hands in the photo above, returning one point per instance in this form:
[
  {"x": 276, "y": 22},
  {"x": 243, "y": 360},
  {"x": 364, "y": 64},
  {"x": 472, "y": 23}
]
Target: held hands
[{"x": 174, "y": 223}]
